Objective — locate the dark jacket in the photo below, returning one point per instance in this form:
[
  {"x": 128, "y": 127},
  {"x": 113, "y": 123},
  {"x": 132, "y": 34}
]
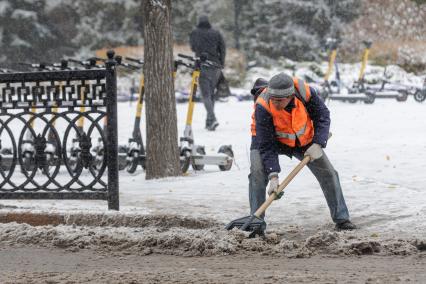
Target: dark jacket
[
  {"x": 204, "y": 39},
  {"x": 270, "y": 148}
]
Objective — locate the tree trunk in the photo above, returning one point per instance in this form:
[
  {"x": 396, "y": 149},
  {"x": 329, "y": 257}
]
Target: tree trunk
[
  {"x": 237, "y": 11},
  {"x": 162, "y": 158}
]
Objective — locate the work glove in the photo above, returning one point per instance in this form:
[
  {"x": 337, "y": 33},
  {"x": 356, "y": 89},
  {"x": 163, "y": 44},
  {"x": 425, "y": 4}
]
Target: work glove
[
  {"x": 273, "y": 185},
  {"x": 314, "y": 151}
]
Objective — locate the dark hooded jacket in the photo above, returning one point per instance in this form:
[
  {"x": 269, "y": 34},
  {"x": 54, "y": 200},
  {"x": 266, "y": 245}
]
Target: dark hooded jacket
[
  {"x": 265, "y": 141},
  {"x": 204, "y": 39}
]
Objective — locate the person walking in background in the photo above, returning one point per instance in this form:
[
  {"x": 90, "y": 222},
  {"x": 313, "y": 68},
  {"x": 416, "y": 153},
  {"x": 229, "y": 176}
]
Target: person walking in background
[{"x": 205, "y": 40}]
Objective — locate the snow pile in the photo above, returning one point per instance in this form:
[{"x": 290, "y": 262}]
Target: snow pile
[{"x": 184, "y": 236}]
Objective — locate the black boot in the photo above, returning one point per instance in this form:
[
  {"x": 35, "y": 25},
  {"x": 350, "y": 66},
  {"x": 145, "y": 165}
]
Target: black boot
[
  {"x": 213, "y": 126},
  {"x": 345, "y": 226}
]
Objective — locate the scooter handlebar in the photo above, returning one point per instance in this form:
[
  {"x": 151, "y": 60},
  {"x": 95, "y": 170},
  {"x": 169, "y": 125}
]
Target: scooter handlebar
[
  {"x": 45, "y": 66},
  {"x": 202, "y": 59},
  {"x": 139, "y": 61},
  {"x": 332, "y": 43},
  {"x": 98, "y": 59},
  {"x": 34, "y": 65},
  {"x": 367, "y": 43},
  {"x": 186, "y": 56},
  {"x": 119, "y": 60},
  {"x": 180, "y": 62},
  {"x": 91, "y": 62},
  {"x": 81, "y": 62}
]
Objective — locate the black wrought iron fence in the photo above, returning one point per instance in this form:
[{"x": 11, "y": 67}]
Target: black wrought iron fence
[{"x": 54, "y": 142}]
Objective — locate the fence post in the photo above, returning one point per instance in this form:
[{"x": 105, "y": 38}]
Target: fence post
[{"x": 112, "y": 137}]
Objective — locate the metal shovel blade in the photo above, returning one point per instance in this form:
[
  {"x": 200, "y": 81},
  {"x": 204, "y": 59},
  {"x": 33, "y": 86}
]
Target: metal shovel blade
[
  {"x": 253, "y": 223},
  {"x": 249, "y": 224}
]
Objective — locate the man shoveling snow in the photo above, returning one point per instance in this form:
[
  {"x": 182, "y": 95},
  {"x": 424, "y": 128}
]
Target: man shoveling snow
[{"x": 290, "y": 119}]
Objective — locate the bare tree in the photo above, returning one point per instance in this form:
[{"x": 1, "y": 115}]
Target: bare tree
[
  {"x": 238, "y": 4},
  {"x": 162, "y": 143}
]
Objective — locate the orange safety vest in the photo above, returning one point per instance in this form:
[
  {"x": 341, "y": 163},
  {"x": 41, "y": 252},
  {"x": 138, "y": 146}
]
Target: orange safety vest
[{"x": 293, "y": 126}]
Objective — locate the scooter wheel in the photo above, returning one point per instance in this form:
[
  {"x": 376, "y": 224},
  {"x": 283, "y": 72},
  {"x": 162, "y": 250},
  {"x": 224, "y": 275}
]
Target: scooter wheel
[
  {"x": 402, "y": 98},
  {"x": 52, "y": 161},
  {"x": 133, "y": 164},
  {"x": 97, "y": 163},
  {"x": 74, "y": 165},
  {"x": 122, "y": 164},
  {"x": 420, "y": 96},
  {"x": 143, "y": 161},
  {"x": 370, "y": 98},
  {"x": 28, "y": 164},
  {"x": 185, "y": 160},
  {"x": 228, "y": 151},
  {"x": 200, "y": 150}
]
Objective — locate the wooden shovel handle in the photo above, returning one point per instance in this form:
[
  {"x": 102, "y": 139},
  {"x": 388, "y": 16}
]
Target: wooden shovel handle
[
  {"x": 287, "y": 180},
  {"x": 281, "y": 187}
]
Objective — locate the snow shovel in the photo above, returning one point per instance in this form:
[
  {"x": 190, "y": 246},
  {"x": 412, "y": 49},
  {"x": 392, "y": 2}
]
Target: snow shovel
[{"x": 254, "y": 223}]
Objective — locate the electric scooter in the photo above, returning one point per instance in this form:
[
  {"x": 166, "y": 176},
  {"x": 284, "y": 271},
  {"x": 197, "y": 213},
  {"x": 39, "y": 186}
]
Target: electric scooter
[
  {"x": 135, "y": 150},
  {"x": 356, "y": 92},
  {"x": 27, "y": 146},
  {"x": 99, "y": 148},
  {"x": 74, "y": 161},
  {"x": 388, "y": 90},
  {"x": 5, "y": 153},
  {"x": 385, "y": 89},
  {"x": 420, "y": 94},
  {"x": 190, "y": 153},
  {"x": 53, "y": 148},
  {"x": 398, "y": 91},
  {"x": 327, "y": 86}
]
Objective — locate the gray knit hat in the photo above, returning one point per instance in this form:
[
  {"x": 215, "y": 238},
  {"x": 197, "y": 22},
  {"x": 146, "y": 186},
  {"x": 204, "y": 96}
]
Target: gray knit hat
[{"x": 281, "y": 86}]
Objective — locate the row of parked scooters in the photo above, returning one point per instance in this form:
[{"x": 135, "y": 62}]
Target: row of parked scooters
[
  {"x": 191, "y": 154},
  {"x": 132, "y": 155},
  {"x": 361, "y": 90}
]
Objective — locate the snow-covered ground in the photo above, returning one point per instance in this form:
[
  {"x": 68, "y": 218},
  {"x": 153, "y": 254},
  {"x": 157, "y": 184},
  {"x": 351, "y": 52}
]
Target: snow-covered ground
[{"x": 379, "y": 151}]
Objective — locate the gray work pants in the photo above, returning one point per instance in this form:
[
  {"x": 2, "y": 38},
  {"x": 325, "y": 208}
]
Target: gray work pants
[
  {"x": 322, "y": 169},
  {"x": 208, "y": 80}
]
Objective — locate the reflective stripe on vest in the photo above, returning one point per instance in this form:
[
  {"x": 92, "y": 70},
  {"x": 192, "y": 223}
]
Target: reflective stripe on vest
[{"x": 291, "y": 136}]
